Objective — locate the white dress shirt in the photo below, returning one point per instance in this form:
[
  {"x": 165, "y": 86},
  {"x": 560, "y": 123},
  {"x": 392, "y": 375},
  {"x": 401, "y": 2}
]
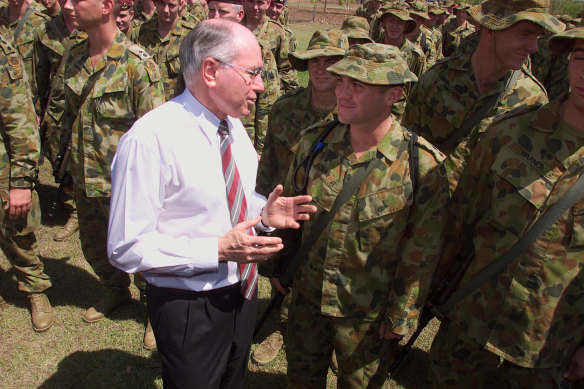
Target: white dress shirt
[{"x": 169, "y": 203}]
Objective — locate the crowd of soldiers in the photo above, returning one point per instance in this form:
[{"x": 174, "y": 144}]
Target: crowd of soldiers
[{"x": 474, "y": 154}]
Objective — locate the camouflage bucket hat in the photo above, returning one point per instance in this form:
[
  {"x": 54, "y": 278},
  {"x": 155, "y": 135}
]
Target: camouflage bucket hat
[
  {"x": 399, "y": 10},
  {"x": 564, "y": 42},
  {"x": 436, "y": 10},
  {"x": 356, "y": 27},
  {"x": 461, "y": 7},
  {"x": 501, "y": 14},
  {"x": 324, "y": 43},
  {"x": 374, "y": 64},
  {"x": 419, "y": 8}
]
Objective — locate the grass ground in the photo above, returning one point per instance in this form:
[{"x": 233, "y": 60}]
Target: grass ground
[{"x": 109, "y": 353}]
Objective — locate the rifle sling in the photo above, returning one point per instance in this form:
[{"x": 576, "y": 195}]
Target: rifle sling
[
  {"x": 349, "y": 188},
  {"x": 491, "y": 270},
  {"x": 479, "y": 115},
  {"x": 21, "y": 23}
]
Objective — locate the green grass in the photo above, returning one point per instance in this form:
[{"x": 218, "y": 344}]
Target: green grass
[{"x": 109, "y": 353}]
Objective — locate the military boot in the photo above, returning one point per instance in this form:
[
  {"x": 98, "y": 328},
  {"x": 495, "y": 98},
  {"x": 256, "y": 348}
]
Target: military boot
[
  {"x": 268, "y": 349},
  {"x": 68, "y": 229},
  {"x": 111, "y": 300},
  {"x": 41, "y": 311},
  {"x": 149, "y": 340}
]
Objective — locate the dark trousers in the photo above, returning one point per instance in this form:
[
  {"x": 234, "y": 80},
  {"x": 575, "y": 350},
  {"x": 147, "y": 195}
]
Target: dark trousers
[{"x": 203, "y": 338}]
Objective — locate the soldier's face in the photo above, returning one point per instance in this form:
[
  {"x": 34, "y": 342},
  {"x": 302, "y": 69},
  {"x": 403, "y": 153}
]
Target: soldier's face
[
  {"x": 359, "y": 103},
  {"x": 394, "y": 27},
  {"x": 48, "y": 3},
  {"x": 321, "y": 80},
  {"x": 255, "y": 9},
  {"x": 576, "y": 77},
  {"x": 275, "y": 10},
  {"x": 124, "y": 20},
  {"x": 220, "y": 10},
  {"x": 86, "y": 13},
  {"x": 167, "y": 10},
  {"x": 461, "y": 16},
  {"x": 515, "y": 44}
]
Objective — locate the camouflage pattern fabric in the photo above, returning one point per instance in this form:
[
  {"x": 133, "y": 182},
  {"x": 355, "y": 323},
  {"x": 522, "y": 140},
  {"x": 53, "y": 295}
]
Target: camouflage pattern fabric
[
  {"x": 530, "y": 314},
  {"x": 424, "y": 40},
  {"x": 456, "y": 361},
  {"x": 438, "y": 39},
  {"x": 256, "y": 123},
  {"x": 25, "y": 42},
  {"x": 366, "y": 264},
  {"x": 366, "y": 11},
  {"x": 197, "y": 11},
  {"x": 49, "y": 45},
  {"x": 164, "y": 51},
  {"x": 356, "y": 27},
  {"x": 139, "y": 15},
  {"x": 284, "y": 16},
  {"x": 128, "y": 87},
  {"x": 20, "y": 148},
  {"x": 290, "y": 115},
  {"x": 551, "y": 69},
  {"x": 274, "y": 36},
  {"x": 93, "y": 213},
  {"x": 447, "y": 95},
  {"x": 453, "y": 39},
  {"x": 311, "y": 338},
  {"x": 323, "y": 43}
]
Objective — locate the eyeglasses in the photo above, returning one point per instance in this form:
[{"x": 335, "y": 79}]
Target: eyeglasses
[{"x": 252, "y": 73}]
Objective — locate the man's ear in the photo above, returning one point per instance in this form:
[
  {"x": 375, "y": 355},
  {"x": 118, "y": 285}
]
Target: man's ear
[
  {"x": 393, "y": 94},
  {"x": 108, "y": 7},
  {"x": 210, "y": 70}
]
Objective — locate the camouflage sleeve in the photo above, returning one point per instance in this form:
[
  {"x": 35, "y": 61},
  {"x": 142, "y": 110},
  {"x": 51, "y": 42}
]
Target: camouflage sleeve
[
  {"x": 413, "y": 112},
  {"x": 19, "y": 128},
  {"x": 147, "y": 88},
  {"x": 288, "y": 76},
  {"x": 421, "y": 252},
  {"x": 267, "y": 169},
  {"x": 41, "y": 72}
]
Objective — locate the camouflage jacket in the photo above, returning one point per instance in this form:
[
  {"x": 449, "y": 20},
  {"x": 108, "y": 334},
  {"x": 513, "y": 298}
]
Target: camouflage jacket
[
  {"x": 273, "y": 34},
  {"x": 452, "y": 39},
  {"x": 424, "y": 39},
  {"x": 447, "y": 95},
  {"x": 550, "y": 69},
  {"x": 366, "y": 11},
  {"x": 128, "y": 86},
  {"x": 437, "y": 34},
  {"x": 197, "y": 12},
  {"x": 256, "y": 123},
  {"x": 139, "y": 15},
  {"x": 25, "y": 42},
  {"x": 290, "y": 115},
  {"x": 164, "y": 51},
  {"x": 417, "y": 64},
  {"x": 375, "y": 259},
  {"x": 19, "y": 144},
  {"x": 531, "y": 314},
  {"x": 284, "y": 17}
]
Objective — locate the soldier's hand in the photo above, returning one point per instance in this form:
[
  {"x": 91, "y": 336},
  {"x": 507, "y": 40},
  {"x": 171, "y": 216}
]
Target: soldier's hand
[
  {"x": 575, "y": 370},
  {"x": 386, "y": 334},
  {"x": 18, "y": 204},
  {"x": 238, "y": 246}
]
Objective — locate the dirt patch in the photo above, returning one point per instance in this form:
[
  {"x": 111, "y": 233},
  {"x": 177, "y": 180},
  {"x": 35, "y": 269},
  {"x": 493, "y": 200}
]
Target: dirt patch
[{"x": 334, "y": 17}]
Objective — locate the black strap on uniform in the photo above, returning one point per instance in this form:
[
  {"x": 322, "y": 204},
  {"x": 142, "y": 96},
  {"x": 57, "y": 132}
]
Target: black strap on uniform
[
  {"x": 541, "y": 226},
  {"x": 21, "y": 24},
  {"x": 479, "y": 115},
  {"x": 414, "y": 161}
]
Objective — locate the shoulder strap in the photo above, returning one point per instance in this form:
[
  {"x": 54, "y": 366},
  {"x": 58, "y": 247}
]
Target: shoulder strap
[
  {"x": 542, "y": 224},
  {"x": 21, "y": 23},
  {"x": 414, "y": 160},
  {"x": 349, "y": 188},
  {"x": 480, "y": 114}
]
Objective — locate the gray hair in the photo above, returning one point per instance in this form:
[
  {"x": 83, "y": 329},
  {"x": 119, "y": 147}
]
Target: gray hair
[{"x": 207, "y": 39}]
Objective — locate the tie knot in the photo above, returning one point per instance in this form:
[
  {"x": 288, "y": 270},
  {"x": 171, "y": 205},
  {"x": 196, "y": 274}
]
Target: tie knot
[{"x": 223, "y": 128}]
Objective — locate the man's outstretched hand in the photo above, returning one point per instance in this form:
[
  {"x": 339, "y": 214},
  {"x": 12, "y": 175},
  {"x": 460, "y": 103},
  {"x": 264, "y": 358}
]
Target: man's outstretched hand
[{"x": 285, "y": 212}]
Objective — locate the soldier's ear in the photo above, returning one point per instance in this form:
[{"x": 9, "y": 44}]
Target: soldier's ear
[{"x": 393, "y": 94}]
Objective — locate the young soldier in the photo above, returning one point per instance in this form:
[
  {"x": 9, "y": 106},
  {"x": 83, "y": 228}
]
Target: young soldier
[
  {"x": 522, "y": 328},
  {"x": 292, "y": 113},
  {"x": 421, "y": 36},
  {"x": 160, "y": 37},
  {"x": 125, "y": 18},
  {"x": 364, "y": 280},
  {"x": 446, "y": 105},
  {"x": 457, "y": 30},
  {"x": 109, "y": 83},
  {"x": 356, "y": 29},
  {"x": 20, "y": 212},
  {"x": 52, "y": 8}
]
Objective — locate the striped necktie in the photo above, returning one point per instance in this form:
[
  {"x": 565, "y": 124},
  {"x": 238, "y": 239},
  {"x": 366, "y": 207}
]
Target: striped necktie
[{"x": 237, "y": 207}]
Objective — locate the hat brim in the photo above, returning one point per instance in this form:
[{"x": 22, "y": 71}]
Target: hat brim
[
  {"x": 492, "y": 21},
  {"x": 564, "y": 42},
  {"x": 357, "y": 34},
  {"x": 369, "y": 72},
  {"x": 420, "y": 14},
  {"x": 410, "y": 23},
  {"x": 299, "y": 59}
]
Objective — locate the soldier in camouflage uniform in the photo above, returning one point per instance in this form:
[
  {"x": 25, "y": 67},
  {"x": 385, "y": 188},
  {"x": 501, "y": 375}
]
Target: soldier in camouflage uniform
[
  {"x": 421, "y": 36},
  {"x": 290, "y": 115},
  {"x": 455, "y": 32},
  {"x": 368, "y": 9},
  {"x": 356, "y": 29},
  {"x": 51, "y": 40},
  {"x": 523, "y": 328},
  {"x": 434, "y": 12},
  {"x": 104, "y": 94},
  {"x": 160, "y": 37},
  {"x": 125, "y": 19},
  {"x": 195, "y": 11},
  {"x": 275, "y": 10},
  {"x": 362, "y": 285},
  {"x": 143, "y": 11},
  {"x": 20, "y": 211},
  {"x": 455, "y": 89},
  {"x": 52, "y": 8},
  {"x": 226, "y": 9},
  {"x": 16, "y": 13}
]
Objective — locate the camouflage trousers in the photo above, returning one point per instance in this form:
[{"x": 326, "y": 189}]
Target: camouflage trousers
[
  {"x": 18, "y": 242},
  {"x": 311, "y": 337},
  {"x": 93, "y": 215},
  {"x": 457, "y": 361}
]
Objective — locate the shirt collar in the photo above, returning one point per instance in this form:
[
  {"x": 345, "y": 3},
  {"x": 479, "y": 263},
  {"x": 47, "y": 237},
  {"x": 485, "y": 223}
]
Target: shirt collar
[{"x": 210, "y": 124}]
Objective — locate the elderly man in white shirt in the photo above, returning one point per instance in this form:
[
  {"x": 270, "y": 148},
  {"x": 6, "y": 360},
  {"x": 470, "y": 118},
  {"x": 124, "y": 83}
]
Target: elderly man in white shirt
[{"x": 184, "y": 210}]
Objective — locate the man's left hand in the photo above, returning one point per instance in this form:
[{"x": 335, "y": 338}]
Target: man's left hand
[
  {"x": 285, "y": 212},
  {"x": 386, "y": 334},
  {"x": 18, "y": 204}
]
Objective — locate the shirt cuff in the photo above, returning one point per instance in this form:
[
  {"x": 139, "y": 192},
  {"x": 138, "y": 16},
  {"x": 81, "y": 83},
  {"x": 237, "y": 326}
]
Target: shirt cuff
[{"x": 260, "y": 226}]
